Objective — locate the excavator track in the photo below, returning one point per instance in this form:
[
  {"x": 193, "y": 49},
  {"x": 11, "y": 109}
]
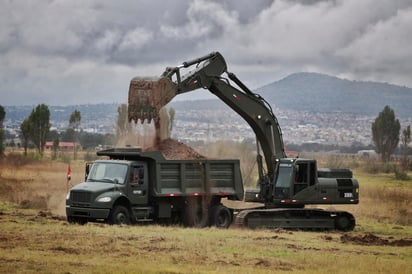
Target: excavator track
[{"x": 299, "y": 219}]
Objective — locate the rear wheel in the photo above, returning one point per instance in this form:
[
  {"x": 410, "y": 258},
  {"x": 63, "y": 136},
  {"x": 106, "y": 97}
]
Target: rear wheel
[
  {"x": 119, "y": 216},
  {"x": 221, "y": 217}
]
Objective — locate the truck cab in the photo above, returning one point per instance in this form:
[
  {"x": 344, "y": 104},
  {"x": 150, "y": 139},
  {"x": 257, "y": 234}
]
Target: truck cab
[{"x": 108, "y": 182}]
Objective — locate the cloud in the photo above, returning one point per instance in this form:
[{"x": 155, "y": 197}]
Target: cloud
[
  {"x": 384, "y": 50},
  {"x": 204, "y": 20},
  {"x": 89, "y": 50},
  {"x": 328, "y": 37}
]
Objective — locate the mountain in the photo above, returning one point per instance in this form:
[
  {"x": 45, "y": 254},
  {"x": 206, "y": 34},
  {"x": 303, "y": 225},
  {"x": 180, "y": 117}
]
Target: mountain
[
  {"x": 311, "y": 92},
  {"x": 315, "y": 92}
]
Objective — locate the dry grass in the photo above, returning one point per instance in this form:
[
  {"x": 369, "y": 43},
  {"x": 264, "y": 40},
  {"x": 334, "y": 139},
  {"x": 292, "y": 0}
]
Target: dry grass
[
  {"x": 37, "y": 243},
  {"x": 35, "y": 238},
  {"x": 385, "y": 199},
  {"x": 38, "y": 184}
]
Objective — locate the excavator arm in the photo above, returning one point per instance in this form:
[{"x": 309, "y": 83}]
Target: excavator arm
[{"x": 148, "y": 95}]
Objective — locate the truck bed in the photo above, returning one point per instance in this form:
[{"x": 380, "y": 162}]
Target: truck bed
[
  {"x": 186, "y": 177},
  {"x": 195, "y": 178}
]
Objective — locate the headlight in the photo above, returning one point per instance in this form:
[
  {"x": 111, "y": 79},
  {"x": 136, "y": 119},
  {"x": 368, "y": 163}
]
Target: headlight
[
  {"x": 104, "y": 199},
  {"x": 68, "y": 195}
]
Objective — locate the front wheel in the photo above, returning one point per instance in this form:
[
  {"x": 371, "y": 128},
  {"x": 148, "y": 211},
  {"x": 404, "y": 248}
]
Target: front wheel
[{"x": 119, "y": 216}]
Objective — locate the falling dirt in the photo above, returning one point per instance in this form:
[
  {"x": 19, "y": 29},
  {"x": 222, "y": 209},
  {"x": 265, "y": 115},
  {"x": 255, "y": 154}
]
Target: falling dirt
[
  {"x": 170, "y": 148},
  {"x": 175, "y": 150},
  {"x": 146, "y": 101},
  {"x": 371, "y": 239}
]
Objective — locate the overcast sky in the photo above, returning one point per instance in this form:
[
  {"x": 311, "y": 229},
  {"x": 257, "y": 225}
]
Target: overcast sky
[{"x": 80, "y": 52}]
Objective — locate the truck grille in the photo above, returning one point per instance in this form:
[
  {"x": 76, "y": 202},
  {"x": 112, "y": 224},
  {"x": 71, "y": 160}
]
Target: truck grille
[{"x": 81, "y": 198}]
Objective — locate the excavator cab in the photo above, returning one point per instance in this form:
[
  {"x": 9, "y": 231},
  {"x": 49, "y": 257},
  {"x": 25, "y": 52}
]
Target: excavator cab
[
  {"x": 299, "y": 182},
  {"x": 294, "y": 176}
]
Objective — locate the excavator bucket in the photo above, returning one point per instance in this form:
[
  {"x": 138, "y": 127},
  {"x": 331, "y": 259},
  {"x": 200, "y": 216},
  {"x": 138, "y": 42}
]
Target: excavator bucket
[{"x": 147, "y": 95}]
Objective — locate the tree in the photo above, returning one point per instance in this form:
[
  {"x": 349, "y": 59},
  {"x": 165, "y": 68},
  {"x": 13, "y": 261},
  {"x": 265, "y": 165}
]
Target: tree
[
  {"x": 74, "y": 123},
  {"x": 2, "y": 116},
  {"x": 40, "y": 126},
  {"x": 385, "y": 133},
  {"x": 25, "y": 128},
  {"x": 55, "y": 147},
  {"x": 405, "y": 139}
]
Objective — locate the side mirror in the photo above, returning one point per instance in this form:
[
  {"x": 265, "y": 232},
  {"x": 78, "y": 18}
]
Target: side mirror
[{"x": 87, "y": 170}]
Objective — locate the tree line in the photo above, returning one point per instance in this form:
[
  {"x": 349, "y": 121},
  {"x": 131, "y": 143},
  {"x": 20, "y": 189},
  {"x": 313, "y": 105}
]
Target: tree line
[
  {"x": 35, "y": 129},
  {"x": 35, "y": 132}
]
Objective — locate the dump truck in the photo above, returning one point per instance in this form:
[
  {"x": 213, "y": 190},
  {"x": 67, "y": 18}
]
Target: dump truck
[{"x": 132, "y": 186}]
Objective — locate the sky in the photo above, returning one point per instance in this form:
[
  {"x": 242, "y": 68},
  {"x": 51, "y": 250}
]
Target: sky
[{"x": 86, "y": 52}]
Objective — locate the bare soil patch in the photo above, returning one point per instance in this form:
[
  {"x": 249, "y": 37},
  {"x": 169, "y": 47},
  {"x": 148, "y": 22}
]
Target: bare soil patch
[{"x": 371, "y": 239}]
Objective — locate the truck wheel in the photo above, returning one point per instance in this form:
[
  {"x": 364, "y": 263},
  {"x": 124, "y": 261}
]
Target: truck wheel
[
  {"x": 221, "y": 217},
  {"x": 119, "y": 216}
]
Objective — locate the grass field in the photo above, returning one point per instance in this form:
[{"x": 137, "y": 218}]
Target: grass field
[{"x": 35, "y": 238}]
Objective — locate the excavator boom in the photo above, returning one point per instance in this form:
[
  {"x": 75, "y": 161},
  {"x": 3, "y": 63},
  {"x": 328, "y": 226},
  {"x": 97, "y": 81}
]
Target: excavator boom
[{"x": 147, "y": 95}]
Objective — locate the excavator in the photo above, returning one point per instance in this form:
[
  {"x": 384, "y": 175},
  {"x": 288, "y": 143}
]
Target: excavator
[{"x": 285, "y": 185}]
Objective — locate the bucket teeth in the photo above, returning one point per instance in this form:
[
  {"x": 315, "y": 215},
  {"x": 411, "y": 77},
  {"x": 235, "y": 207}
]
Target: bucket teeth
[{"x": 147, "y": 96}]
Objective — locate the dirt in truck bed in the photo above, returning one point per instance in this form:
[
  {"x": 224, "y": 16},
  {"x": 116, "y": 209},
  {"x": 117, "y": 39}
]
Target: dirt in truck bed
[{"x": 175, "y": 150}]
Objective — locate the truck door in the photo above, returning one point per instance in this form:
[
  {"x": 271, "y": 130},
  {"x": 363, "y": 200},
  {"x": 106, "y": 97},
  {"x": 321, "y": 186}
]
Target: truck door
[{"x": 138, "y": 184}]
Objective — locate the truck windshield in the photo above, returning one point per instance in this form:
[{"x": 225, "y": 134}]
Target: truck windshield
[
  {"x": 283, "y": 181},
  {"x": 108, "y": 172}
]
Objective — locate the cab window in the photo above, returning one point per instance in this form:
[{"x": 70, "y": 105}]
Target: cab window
[{"x": 137, "y": 176}]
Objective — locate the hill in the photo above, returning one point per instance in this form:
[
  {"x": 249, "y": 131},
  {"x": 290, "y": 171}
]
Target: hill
[
  {"x": 312, "y": 92},
  {"x": 316, "y": 92}
]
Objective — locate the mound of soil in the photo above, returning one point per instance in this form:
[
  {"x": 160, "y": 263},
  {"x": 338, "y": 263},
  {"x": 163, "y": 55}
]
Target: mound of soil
[
  {"x": 175, "y": 150},
  {"x": 371, "y": 239}
]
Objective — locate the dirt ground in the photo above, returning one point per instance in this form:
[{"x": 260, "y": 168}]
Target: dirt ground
[{"x": 371, "y": 239}]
